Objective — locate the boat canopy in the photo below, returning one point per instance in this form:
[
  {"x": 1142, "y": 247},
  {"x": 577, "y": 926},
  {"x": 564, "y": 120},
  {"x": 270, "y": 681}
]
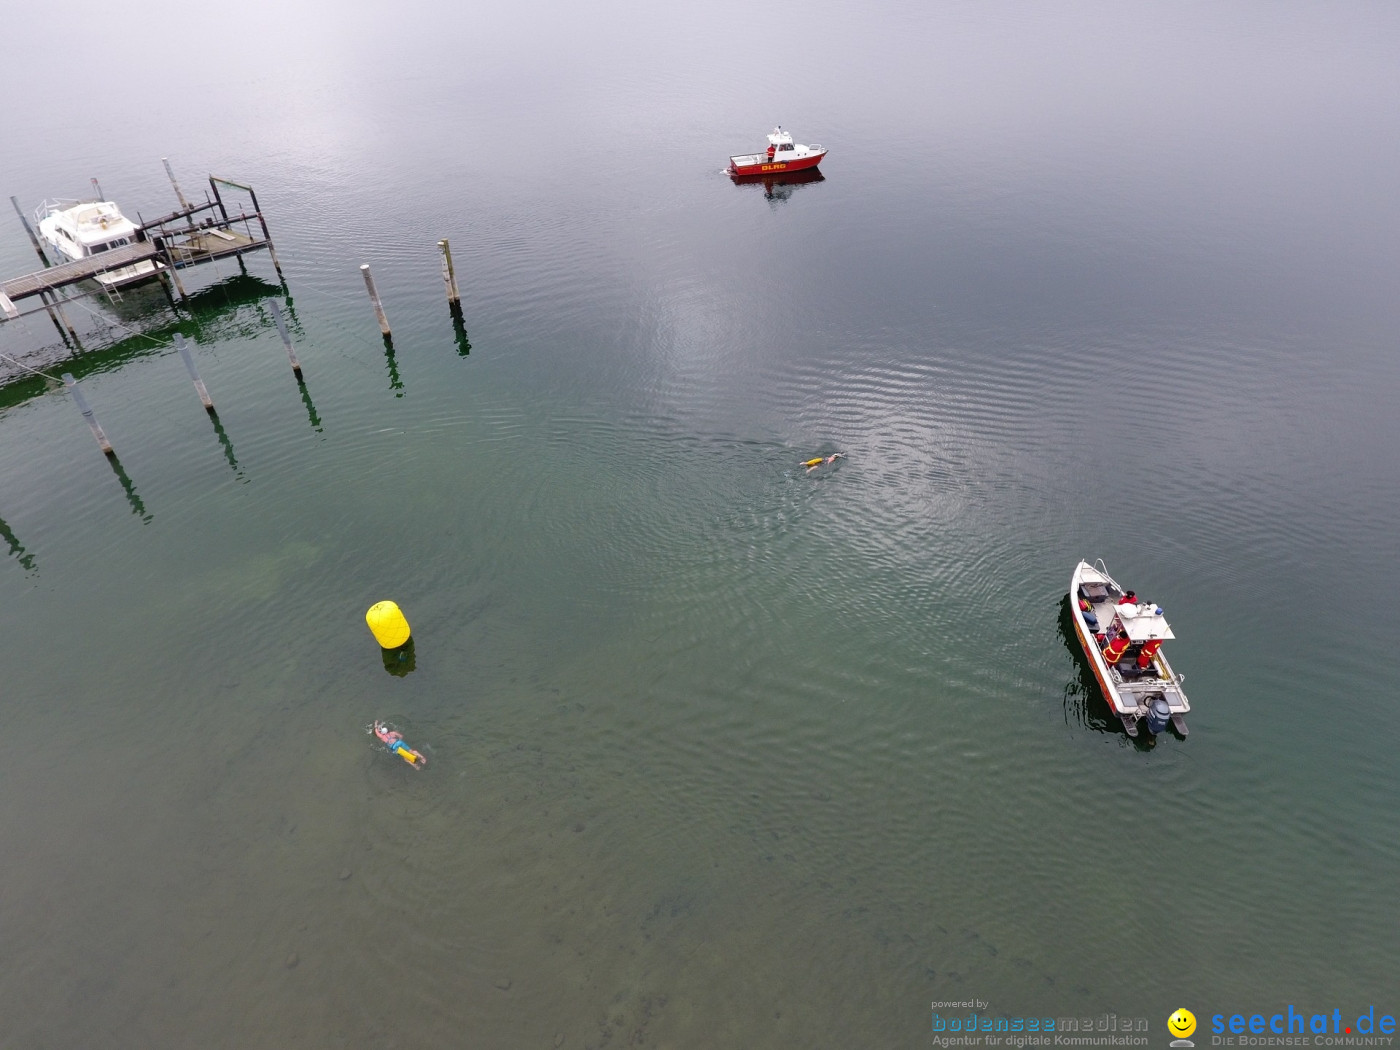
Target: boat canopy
[
  {"x": 87, "y": 221},
  {"x": 780, "y": 138},
  {"x": 1143, "y": 623}
]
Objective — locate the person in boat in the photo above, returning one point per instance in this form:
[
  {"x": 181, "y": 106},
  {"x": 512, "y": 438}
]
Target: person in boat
[
  {"x": 1148, "y": 651},
  {"x": 772, "y": 149},
  {"x": 1114, "y": 650}
]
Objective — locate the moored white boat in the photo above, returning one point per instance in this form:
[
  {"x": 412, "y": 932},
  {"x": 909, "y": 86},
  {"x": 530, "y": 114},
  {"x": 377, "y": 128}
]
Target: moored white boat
[
  {"x": 1122, "y": 639},
  {"x": 83, "y": 229}
]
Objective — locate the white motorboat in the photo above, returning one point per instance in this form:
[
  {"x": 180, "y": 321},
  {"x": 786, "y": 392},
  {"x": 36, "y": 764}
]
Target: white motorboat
[
  {"x": 783, "y": 155},
  {"x": 83, "y": 229},
  {"x": 1122, "y": 637}
]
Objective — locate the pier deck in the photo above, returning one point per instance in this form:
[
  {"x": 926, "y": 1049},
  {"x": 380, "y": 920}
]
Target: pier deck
[{"x": 75, "y": 271}]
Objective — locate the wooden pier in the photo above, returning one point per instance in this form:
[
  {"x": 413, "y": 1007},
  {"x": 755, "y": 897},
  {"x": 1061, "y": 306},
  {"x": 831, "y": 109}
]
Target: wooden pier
[
  {"x": 193, "y": 235},
  {"x": 64, "y": 274}
]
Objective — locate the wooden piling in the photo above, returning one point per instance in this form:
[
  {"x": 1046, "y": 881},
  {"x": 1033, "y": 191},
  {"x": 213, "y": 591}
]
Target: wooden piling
[
  {"x": 44, "y": 298},
  {"x": 178, "y": 194},
  {"x": 374, "y": 298},
  {"x": 194, "y": 372},
  {"x": 55, "y": 308},
  {"x": 286, "y": 340},
  {"x": 30, "y": 230},
  {"x": 168, "y": 288},
  {"x": 218, "y": 198},
  {"x": 214, "y": 181},
  {"x": 267, "y": 235},
  {"x": 102, "y": 442},
  {"x": 449, "y": 278},
  {"x": 164, "y": 246}
]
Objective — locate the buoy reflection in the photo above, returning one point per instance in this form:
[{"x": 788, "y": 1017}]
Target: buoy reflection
[{"x": 401, "y": 661}]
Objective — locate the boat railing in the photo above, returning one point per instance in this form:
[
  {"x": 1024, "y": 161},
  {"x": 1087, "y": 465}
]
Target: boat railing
[
  {"x": 1141, "y": 684},
  {"x": 55, "y": 204}
]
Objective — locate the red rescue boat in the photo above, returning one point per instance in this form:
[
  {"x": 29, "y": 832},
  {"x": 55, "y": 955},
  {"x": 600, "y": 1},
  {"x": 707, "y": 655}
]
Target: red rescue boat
[{"x": 782, "y": 155}]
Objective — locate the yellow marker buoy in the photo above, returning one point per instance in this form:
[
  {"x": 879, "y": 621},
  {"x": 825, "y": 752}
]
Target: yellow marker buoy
[{"x": 387, "y": 624}]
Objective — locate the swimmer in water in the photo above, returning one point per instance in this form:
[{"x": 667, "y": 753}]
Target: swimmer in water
[
  {"x": 813, "y": 464},
  {"x": 393, "y": 740}
]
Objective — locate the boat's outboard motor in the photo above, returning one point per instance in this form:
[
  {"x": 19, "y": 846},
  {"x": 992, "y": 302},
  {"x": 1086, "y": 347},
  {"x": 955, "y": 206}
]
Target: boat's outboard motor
[{"x": 1159, "y": 713}]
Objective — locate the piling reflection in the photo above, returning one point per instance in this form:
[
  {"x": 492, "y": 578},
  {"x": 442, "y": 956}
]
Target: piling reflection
[
  {"x": 459, "y": 329},
  {"x": 401, "y": 661},
  {"x": 226, "y": 445},
  {"x": 310, "y": 406},
  {"x": 16, "y": 548},
  {"x": 289, "y": 307},
  {"x": 395, "y": 383},
  {"x": 212, "y": 304},
  {"x": 137, "y": 507}
]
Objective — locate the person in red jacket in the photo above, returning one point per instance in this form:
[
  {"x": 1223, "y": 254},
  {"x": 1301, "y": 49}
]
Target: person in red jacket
[{"x": 1114, "y": 650}]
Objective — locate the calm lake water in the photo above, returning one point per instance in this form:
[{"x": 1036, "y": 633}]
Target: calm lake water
[{"x": 722, "y": 754}]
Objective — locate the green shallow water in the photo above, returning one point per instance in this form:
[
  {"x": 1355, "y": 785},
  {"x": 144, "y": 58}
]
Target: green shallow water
[{"x": 721, "y": 753}]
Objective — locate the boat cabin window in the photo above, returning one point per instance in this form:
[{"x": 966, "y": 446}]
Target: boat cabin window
[
  {"x": 100, "y": 248},
  {"x": 785, "y": 145}
]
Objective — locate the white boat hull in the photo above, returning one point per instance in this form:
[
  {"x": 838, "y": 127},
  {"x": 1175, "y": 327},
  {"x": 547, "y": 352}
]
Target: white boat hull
[
  {"x": 1127, "y": 696},
  {"x": 86, "y": 229}
]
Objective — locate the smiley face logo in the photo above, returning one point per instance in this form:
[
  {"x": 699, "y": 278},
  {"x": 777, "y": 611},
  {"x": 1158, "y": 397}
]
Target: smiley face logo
[{"x": 1181, "y": 1024}]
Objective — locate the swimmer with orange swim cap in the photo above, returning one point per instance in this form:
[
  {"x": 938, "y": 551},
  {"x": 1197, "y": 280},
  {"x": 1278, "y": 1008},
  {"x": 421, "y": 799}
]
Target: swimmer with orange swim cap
[{"x": 813, "y": 464}]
